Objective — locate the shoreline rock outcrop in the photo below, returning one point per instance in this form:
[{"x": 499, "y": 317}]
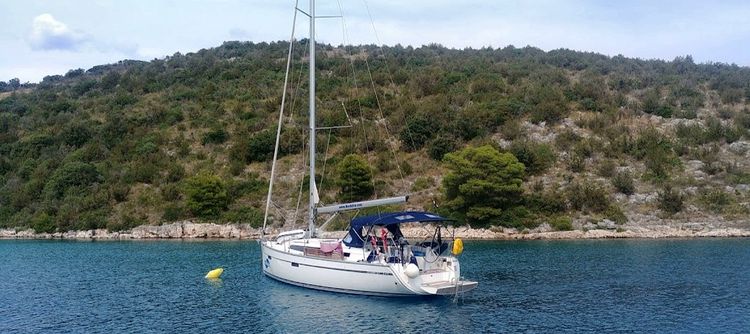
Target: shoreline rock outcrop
[{"x": 189, "y": 230}]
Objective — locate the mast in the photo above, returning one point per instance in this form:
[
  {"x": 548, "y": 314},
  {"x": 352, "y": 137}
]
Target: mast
[{"x": 311, "y": 212}]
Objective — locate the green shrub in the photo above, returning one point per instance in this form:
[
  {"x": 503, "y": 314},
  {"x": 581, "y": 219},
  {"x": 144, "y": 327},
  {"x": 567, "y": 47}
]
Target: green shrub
[
  {"x": 144, "y": 172},
  {"x": 482, "y": 184},
  {"x": 215, "y": 136},
  {"x": 567, "y": 139},
  {"x": 733, "y": 134},
  {"x": 587, "y": 197},
  {"x": 91, "y": 219},
  {"x": 561, "y": 223},
  {"x": 517, "y": 217},
  {"x": 715, "y": 200},
  {"x": 206, "y": 195},
  {"x": 251, "y": 185},
  {"x": 256, "y": 148},
  {"x": 656, "y": 152},
  {"x": 685, "y": 113},
  {"x": 546, "y": 202},
  {"x": 170, "y": 192},
  {"x": 417, "y": 131},
  {"x": 585, "y": 148},
  {"x": 72, "y": 175},
  {"x": 623, "y": 182},
  {"x": 536, "y": 157},
  {"x": 146, "y": 146},
  {"x": 355, "y": 178},
  {"x": 742, "y": 119},
  {"x": 124, "y": 222},
  {"x": 615, "y": 214},
  {"x": 670, "y": 201},
  {"x": 384, "y": 161},
  {"x": 76, "y": 135},
  {"x": 714, "y": 130},
  {"x": 43, "y": 223},
  {"x": 422, "y": 183},
  {"x": 512, "y": 130},
  {"x": 174, "y": 212},
  {"x": 693, "y": 134},
  {"x": 175, "y": 172},
  {"x": 441, "y": 145},
  {"x": 119, "y": 191},
  {"x": 244, "y": 215},
  {"x": 406, "y": 168},
  {"x": 576, "y": 163},
  {"x": 606, "y": 168}
]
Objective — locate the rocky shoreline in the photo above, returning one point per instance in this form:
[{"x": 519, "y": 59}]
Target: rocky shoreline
[{"x": 190, "y": 230}]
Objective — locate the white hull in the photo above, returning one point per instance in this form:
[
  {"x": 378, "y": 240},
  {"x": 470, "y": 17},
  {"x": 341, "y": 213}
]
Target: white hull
[{"x": 377, "y": 279}]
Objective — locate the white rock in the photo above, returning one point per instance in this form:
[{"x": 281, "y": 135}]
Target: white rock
[{"x": 739, "y": 147}]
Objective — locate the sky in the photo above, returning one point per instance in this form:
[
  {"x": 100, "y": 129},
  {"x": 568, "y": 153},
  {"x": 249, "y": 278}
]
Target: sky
[{"x": 48, "y": 37}]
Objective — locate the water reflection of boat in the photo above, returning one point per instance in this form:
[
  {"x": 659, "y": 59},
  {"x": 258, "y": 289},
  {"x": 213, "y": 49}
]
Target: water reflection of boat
[{"x": 297, "y": 310}]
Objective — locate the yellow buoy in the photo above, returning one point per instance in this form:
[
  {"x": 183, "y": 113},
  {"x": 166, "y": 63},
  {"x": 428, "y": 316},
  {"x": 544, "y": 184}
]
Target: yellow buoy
[
  {"x": 458, "y": 246},
  {"x": 215, "y": 273}
]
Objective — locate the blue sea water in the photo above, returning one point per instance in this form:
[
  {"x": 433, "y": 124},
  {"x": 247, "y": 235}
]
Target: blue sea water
[{"x": 531, "y": 286}]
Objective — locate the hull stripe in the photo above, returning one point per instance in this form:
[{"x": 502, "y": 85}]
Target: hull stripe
[
  {"x": 336, "y": 269},
  {"x": 324, "y": 288},
  {"x": 330, "y": 268}
]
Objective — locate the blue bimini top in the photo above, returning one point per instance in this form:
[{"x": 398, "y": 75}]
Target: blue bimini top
[{"x": 355, "y": 238}]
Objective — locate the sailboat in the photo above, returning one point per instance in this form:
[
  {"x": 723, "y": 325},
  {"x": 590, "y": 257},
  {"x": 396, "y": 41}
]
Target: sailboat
[{"x": 373, "y": 257}]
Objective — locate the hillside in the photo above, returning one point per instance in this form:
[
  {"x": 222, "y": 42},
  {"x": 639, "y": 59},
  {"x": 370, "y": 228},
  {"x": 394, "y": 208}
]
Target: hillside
[{"x": 605, "y": 141}]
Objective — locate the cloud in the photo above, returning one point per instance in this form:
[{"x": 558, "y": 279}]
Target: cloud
[{"x": 47, "y": 33}]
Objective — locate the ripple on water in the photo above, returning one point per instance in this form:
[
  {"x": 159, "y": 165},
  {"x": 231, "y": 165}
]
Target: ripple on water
[{"x": 536, "y": 286}]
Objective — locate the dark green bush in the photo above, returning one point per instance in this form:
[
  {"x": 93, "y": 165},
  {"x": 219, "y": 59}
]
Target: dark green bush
[
  {"x": 78, "y": 175},
  {"x": 170, "y": 192},
  {"x": 561, "y": 223},
  {"x": 482, "y": 185},
  {"x": 566, "y": 139},
  {"x": 355, "y": 178},
  {"x": 244, "y": 215},
  {"x": 250, "y": 185},
  {"x": 670, "y": 201},
  {"x": 587, "y": 197},
  {"x": 517, "y": 217},
  {"x": 76, "y": 134},
  {"x": 615, "y": 214},
  {"x": 546, "y": 202},
  {"x": 206, "y": 195},
  {"x": 175, "y": 172},
  {"x": 441, "y": 145},
  {"x": 144, "y": 172},
  {"x": 656, "y": 152},
  {"x": 119, "y": 191},
  {"x": 536, "y": 157},
  {"x": 260, "y": 147},
  {"x": 215, "y": 136},
  {"x": 43, "y": 223},
  {"x": 417, "y": 131},
  {"x": 623, "y": 182},
  {"x": 174, "y": 212},
  {"x": 123, "y": 222},
  {"x": 606, "y": 168}
]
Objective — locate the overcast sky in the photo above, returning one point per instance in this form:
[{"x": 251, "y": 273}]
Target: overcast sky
[{"x": 46, "y": 37}]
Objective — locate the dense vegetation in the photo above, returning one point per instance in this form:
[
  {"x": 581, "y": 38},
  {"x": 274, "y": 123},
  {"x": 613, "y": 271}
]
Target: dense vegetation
[{"x": 191, "y": 135}]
